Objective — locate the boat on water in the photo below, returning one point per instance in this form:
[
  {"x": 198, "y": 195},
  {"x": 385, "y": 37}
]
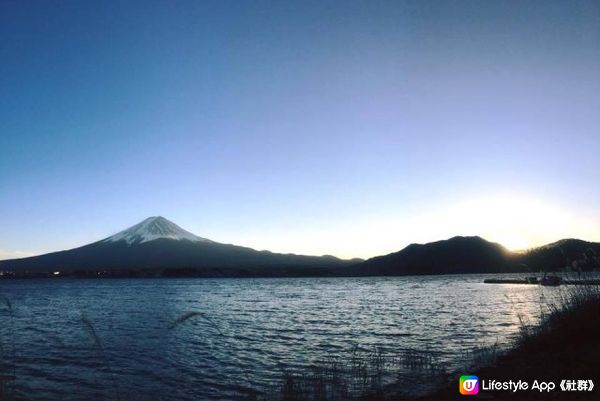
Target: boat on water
[{"x": 550, "y": 280}]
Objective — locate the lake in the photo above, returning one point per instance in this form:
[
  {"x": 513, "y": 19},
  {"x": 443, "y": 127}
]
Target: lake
[{"x": 68, "y": 339}]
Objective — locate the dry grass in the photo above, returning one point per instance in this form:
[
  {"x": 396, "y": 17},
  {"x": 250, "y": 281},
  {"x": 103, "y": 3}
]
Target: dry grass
[
  {"x": 90, "y": 329},
  {"x": 7, "y": 372},
  {"x": 245, "y": 392},
  {"x": 188, "y": 315},
  {"x": 364, "y": 375},
  {"x": 564, "y": 345}
]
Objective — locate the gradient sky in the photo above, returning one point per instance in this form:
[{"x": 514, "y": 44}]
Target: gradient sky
[{"x": 345, "y": 128}]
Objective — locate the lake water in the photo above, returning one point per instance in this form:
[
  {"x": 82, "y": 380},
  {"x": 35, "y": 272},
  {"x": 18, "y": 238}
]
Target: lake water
[{"x": 114, "y": 339}]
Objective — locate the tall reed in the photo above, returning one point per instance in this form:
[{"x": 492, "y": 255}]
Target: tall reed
[
  {"x": 8, "y": 373},
  {"x": 90, "y": 329}
]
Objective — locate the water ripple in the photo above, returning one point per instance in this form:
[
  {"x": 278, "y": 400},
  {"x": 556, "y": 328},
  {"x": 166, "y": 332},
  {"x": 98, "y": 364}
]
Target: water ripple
[{"x": 250, "y": 330}]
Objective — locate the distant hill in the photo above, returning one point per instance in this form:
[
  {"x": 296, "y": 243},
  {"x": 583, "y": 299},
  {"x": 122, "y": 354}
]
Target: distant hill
[
  {"x": 157, "y": 243},
  {"x": 573, "y": 253},
  {"x": 476, "y": 255},
  {"x": 455, "y": 255}
]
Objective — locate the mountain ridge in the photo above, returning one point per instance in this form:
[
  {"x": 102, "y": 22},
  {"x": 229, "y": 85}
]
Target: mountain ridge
[
  {"x": 157, "y": 243},
  {"x": 458, "y": 254},
  {"x": 473, "y": 254},
  {"x": 160, "y": 245}
]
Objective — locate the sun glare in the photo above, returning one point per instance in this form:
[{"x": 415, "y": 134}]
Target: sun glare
[
  {"x": 517, "y": 222},
  {"x": 515, "y": 243}
]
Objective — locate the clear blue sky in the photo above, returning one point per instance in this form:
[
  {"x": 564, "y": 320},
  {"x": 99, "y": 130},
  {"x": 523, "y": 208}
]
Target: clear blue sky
[{"x": 351, "y": 128}]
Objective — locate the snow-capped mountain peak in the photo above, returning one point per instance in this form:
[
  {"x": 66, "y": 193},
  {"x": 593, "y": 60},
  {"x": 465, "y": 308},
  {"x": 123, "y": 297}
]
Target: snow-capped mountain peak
[{"x": 153, "y": 228}]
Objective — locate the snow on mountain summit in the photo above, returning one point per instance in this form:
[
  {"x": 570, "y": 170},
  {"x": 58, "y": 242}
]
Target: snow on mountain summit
[{"x": 153, "y": 228}]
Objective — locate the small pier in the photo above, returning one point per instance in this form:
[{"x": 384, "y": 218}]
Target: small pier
[{"x": 532, "y": 281}]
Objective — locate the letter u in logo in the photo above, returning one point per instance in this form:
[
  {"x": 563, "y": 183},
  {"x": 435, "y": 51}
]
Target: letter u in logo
[{"x": 468, "y": 385}]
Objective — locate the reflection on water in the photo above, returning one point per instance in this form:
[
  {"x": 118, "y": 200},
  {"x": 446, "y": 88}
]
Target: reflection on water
[{"x": 249, "y": 329}]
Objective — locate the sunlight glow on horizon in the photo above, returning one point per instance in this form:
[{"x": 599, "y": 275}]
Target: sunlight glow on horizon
[{"x": 515, "y": 221}]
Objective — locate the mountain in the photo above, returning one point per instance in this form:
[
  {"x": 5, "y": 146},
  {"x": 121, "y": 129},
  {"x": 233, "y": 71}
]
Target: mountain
[
  {"x": 455, "y": 255},
  {"x": 573, "y": 253},
  {"x": 476, "y": 255},
  {"x": 159, "y": 244},
  {"x": 154, "y": 228}
]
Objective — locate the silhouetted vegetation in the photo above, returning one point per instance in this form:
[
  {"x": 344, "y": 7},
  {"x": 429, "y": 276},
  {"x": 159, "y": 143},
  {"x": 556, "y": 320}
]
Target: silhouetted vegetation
[
  {"x": 364, "y": 375},
  {"x": 565, "y": 345},
  {"x": 570, "y": 254},
  {"x": 7, "y": 350}
]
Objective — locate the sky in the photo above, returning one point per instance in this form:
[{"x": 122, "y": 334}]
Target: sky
[{"x": 351, "y": 128}]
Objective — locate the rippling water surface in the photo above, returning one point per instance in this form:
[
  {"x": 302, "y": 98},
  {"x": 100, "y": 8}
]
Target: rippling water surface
[{"x": 113, "y": 339}]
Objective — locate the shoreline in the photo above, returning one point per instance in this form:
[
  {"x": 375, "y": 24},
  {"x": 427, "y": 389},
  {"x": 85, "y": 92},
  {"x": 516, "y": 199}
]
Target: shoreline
[{"x": 564, "y": 346}]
